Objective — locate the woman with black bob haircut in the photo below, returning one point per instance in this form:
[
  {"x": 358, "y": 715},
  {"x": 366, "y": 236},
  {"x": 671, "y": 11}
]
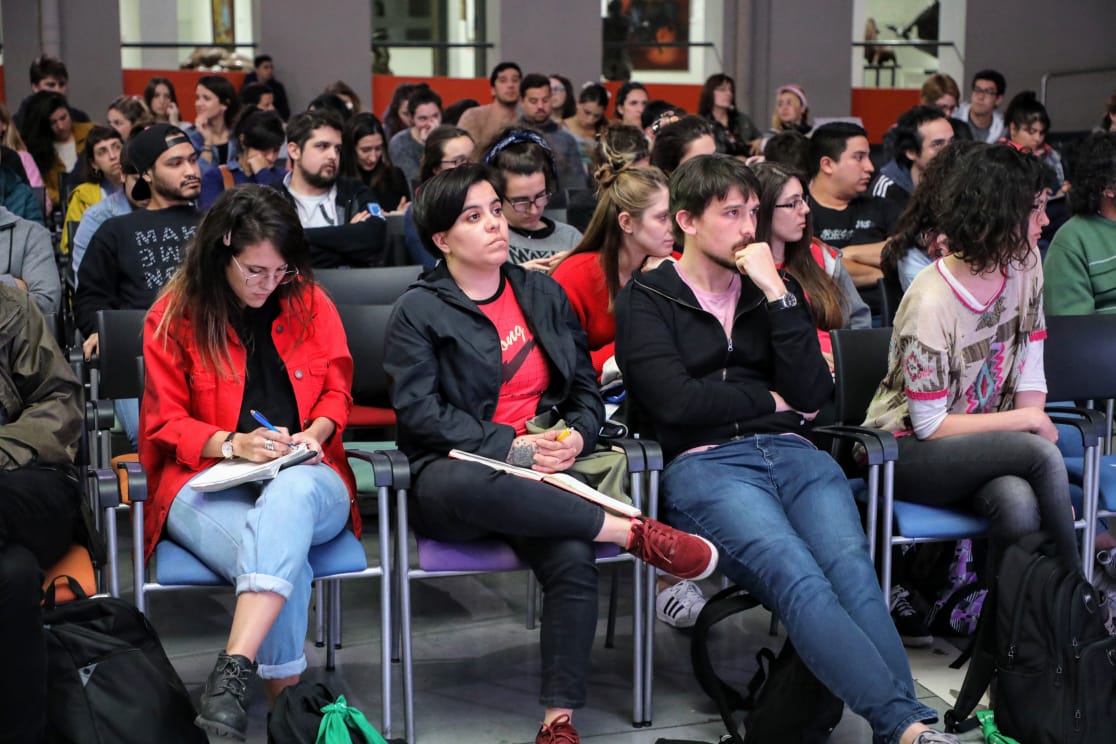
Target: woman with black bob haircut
[
  {"x": 476, "y": 349},
  {"x": 364, "y": 155},
  {"x": 1027, "y": 126},
  {"x": 101, "y": 174},
  {"x": 243, "y": 327},
  {"x": 965, "y": 387},
  {"x": 259, "y": 136}
]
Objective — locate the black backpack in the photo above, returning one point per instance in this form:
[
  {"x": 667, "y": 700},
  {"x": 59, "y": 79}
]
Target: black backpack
[
  {"x": 108, "y": 679},
  {"x": 785, "y": 702},
  {"x": 1042, "y": 646},
  {"x": 298, "y": 714}
]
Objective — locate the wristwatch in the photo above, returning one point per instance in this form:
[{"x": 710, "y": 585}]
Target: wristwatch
[
  {"x": 226, "y": 446},
  {"x": 785, "y": 302}
]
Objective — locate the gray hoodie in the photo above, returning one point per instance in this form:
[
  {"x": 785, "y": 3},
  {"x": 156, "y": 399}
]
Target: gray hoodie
[{"x": 26, "y": 254}]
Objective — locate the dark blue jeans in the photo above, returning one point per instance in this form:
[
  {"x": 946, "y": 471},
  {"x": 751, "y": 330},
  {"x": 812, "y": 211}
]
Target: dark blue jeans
[
  {"x": 551, "y": 530},
  {"x": 783, "y": 519}
]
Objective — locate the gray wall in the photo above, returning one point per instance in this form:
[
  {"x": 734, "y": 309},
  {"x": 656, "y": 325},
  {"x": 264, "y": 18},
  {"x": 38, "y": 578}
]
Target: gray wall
[
  {"x": 1035, "y": 38},
  {"x": 21, "y": 46},
  {"x": 91, "y": 51},
  {"x": 551, "y": 37},
  {"x": 315, "y": 43}
]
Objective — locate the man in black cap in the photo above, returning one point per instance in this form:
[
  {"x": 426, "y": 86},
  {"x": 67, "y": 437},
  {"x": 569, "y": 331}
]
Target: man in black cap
[{"x": 132, "y": 256}]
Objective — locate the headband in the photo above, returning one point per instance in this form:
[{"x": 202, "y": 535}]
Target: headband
[
  {"x": 519, "y": 137},
  {"x": 797, "y": 92}
]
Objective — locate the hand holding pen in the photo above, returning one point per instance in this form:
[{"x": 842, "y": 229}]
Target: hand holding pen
[{"x": 265, "y": 443}]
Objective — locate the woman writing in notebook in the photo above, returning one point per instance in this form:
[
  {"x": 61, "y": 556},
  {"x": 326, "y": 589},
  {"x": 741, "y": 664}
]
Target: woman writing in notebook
[
  {"x": 474, "y": 350},
  {"x": 240, "y": 327}
]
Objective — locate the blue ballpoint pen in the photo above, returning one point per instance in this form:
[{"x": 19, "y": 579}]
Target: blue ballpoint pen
[{"x": 263, "y": 421}]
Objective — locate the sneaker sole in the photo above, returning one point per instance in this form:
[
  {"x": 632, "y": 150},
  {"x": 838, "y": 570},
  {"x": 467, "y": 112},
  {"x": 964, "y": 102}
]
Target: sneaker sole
[
  {"x": 219, "y": 729},
  {"x": 709, "y": 569},
  {"x": 917, "y": 641}
]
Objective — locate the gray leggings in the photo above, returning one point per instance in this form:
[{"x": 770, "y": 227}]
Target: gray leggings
[{"x": 1016, "y": 479}]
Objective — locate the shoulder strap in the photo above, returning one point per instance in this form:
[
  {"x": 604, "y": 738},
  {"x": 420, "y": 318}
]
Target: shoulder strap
[
  {"x": 227, "y": 176},
  {"x": 982, "y": 665},
  {"x": 721, "y": 605}
]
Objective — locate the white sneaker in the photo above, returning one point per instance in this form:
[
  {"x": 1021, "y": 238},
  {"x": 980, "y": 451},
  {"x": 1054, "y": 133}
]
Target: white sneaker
[{"x": 679, "y": 605}]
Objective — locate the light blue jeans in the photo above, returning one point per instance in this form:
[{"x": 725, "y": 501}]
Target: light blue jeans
[
  {"x": 784, "y": 522},
  {"x": 259, "y": 540},
  {"x": 127, "y": 413}
]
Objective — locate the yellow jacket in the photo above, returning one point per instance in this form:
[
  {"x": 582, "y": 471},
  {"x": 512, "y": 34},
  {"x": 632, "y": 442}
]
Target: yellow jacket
[{"x": 50, "y": 178}]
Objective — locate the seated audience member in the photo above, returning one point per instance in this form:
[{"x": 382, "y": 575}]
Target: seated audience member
[
  {"x": 444, "y": 363},
  {"x": 917, "y": 241},
  {"x": 216, "y": 105},
  {"x": 446, "y": 147},
  {"x": 332, "y": 210},
  {"x": 483, "y": 123},
  {"x": 397, "y": 116},
  {"x": 27, "y": 258},
  {"x": 364, "y": 156},
  {"x": 244, "y": 307},
  {"x": 331, "y": 103},
  {"x": 406, "y": 146},
  {"x": 348, "y": 96},
  {"x": 53, "y": 140},
  {"x": 1078, "y": 267},
  {"x": 965, "y": 387},
  {"x": 131, "y": 257},
  {"x": 259, "y": 136},
  {"x": 525, "y": 175},
  {"x": 534, "y": 103},
  {"x": 1027, "y": 125},
  {"x": 631, "y": 98},
  {"x": 783, "y": 222},
  {"x": 258, "y": 95},
  {"x": 562, "y": 105},
  {"x": 18, "y": 174},
  {"x": 263, "y": 72},
  {"x": 40, "y": 511},
  {"x": 789, "y": 148},
  {"x": 656, "y": 115},
  {"x": 845, "y": 216},
  {"x": 1108, "y": 120},
  {"x": 453, "y": 113},
  {"x": 619, "y": 146},
  {"x": 112, "y": 205},
  {"x": 734, "y": 131},
  {"x": 718, "y": 414},
  {"x": 161, "y": 99},
  {"x": 985, "y": 122},
  {"x": 676, "y": 143},
  {"x": 588, "y": 119},
  {"x": 49, "y": 74},
  {"x": 10, "y": 138},
  {"x": 941, "y": 90},
  {"x": 101, "y": 176},
  {"x": 127, "y": 115},
  {"x": 916, "y": 139},
  {"x": 792, "y": 111}
]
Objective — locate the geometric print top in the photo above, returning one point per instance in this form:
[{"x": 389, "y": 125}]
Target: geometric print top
[{"x": 949, "y": 355}]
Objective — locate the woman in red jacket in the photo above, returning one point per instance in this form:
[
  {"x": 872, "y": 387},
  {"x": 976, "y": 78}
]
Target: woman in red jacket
[{"x": 240, "y": 327}]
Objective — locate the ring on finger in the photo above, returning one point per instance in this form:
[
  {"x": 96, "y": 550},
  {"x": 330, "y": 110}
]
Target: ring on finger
[{"x": 269, "y": 445}]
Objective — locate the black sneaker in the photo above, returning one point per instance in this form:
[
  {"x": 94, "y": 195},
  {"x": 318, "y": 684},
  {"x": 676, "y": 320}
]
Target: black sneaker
[
  {"x": 910, "y": 623},
  {"x": 221, "y": 710}
]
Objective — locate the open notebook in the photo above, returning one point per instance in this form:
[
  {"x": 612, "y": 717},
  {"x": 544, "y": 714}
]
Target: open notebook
[
  {"x": 237, "y": 471},
  {"x": 560, "y": 480}
]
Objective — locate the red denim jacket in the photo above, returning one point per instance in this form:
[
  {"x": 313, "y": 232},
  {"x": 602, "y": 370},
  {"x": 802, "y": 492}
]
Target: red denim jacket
[{"x": 185, "y": 404}]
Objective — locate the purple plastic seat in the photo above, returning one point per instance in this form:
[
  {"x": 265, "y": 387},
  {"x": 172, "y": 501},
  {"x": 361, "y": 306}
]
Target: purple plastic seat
[{"x": 480, "y": 556}]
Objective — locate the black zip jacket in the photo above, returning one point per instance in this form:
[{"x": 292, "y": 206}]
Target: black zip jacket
[
  {"x": 360, "y": 244},
  {"x": 442, "y": 356},
  {"x": 696, "y": 387}
]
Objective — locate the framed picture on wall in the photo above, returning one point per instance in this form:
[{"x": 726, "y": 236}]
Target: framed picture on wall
[
  {"x": 223, "y": 29},
  {"x": 656, "y": 26}
]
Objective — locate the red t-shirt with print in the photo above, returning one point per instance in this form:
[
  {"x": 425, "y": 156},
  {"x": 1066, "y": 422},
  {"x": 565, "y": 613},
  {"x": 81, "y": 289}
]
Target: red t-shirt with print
[{"x": 524, "y": 374}]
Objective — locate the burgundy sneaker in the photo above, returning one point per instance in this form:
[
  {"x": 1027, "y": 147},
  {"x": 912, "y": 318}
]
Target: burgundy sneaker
[
  {"x": 678, "y": 553},
  {"x": 559, "y": 731}
]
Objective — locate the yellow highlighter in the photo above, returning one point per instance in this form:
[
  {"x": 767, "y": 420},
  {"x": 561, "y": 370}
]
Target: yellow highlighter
[{"x": 564, "y": 433}]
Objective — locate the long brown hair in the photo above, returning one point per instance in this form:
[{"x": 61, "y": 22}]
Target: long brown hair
[
  {"x": 631, "y": 190},
  {"x": 200, "y": 297},
  {"x": 826, "y": 304}
]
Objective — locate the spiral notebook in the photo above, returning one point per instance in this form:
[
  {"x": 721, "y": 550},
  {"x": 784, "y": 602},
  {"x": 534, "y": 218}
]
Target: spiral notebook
[{"x": 238, "y": 471}]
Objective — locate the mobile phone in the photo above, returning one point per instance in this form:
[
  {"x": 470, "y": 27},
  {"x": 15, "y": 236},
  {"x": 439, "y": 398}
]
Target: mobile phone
[{"x": 376, "y": 210}]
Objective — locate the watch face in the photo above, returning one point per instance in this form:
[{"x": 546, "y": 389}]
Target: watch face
[{"x": 226, "y": 449}]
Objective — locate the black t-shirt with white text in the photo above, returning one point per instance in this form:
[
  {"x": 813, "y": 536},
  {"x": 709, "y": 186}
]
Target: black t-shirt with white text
[{"x": 867, "y": 219}]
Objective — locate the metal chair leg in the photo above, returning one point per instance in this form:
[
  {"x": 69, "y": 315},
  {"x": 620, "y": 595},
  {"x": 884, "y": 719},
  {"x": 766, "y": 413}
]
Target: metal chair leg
[{"x": 319, "y": 617}]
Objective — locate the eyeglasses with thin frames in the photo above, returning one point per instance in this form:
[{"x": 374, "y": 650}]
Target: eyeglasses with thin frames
[
  {"x": 457, "y": 162},
  {"x": 255, "y": 276},
  {"x": 523, "y": 204},
  {"x": 796, "y": 203}
]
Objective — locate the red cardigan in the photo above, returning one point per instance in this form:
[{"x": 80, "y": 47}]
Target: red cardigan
[
  {"x": 583, "y": 279},
  {"x": 185, "y": 404}
]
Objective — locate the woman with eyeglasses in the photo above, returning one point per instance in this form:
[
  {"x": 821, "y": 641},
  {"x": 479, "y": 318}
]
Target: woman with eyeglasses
[
  {"x": 965, "y": 388},
  {"x": 783, "y": 222},
  {"x": 242, "y": 328},
  {"x": 446, "y": 147}
]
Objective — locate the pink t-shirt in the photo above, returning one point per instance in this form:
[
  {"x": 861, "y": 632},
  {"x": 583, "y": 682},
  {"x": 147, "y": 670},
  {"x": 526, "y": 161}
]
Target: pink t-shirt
[{"x": 721, "y": 305}]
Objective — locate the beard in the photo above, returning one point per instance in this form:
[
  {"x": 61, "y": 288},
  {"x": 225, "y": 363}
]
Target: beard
[
  {"x": 726, "y": 262},
  {"x": 188, "y": 189},
  {"x": 318, "y": 180}
]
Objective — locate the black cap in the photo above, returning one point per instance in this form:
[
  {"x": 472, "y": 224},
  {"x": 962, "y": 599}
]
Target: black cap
[{"x": 145, "y": 147}]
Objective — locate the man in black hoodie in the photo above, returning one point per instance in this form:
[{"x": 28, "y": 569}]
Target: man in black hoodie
[
  {"x": 334, "y": 211},
  {"x": 720, "y": 355}
]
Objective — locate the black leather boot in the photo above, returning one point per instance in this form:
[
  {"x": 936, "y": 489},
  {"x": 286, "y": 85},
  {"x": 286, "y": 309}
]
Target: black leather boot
[{"x": 224, "y": 699}]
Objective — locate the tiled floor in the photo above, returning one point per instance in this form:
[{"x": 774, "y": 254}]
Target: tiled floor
[{"x": 477, "y": 665}]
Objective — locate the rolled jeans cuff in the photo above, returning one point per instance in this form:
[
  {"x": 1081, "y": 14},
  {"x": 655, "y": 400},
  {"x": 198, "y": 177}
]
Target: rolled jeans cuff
[
  {"x": 922, "y": 714},
  {"x": 284, "y": 670},
  {"x": 257, "y": 582}
]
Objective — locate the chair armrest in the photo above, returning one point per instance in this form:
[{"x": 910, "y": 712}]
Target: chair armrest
[
  {"x": 386, "y": 470},
  {"x": 632, "y": 451},
  {"x": 137, "y": 480},
  {"x": 1089, "y": 422},
  {"x": 99, "y": 415},
  {"x": 879, "y": 445},
  {"x": 104, "y": 486}
]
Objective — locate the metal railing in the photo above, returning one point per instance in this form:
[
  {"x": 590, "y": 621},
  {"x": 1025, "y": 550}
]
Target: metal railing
[
  {"x": 1070, "y": 73},
  {"x": 913, "y": 45}
]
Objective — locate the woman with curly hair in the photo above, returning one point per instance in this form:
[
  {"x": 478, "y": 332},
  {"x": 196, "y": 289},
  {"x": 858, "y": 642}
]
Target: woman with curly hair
[{"x": 965, "y": 388}]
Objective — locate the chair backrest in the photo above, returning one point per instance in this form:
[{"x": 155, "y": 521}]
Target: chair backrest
[
  {"x": 375, "y": 286},
  {"x": 120, "y": 335},
  {"x": 891, "y": 293},
  {"x": 1080, "y": 357},
  {"x": 395, "y": 253},
  {"x": 366, "y": 329},
  {"x": 860, "y": 363},
  {"x": 558, "y": 215}
]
